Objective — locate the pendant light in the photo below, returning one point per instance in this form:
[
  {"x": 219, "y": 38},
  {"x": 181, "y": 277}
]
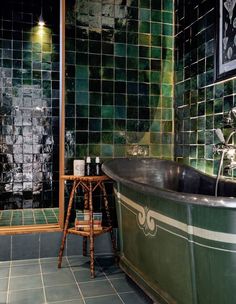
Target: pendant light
[{"x": 41, "y": 22}]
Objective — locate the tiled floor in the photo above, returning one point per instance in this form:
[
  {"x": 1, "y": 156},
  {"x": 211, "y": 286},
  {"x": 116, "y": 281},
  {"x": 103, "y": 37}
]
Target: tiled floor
[
  {"x": 40, "y": 281},
  {"x": 29, "y": 216}
]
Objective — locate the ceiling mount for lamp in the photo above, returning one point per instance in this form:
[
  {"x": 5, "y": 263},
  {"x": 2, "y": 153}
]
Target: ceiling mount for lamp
[{"x": 41, "y": 21}]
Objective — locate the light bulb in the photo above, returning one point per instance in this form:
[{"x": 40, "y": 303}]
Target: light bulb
[{"x": 41, "y": 22}]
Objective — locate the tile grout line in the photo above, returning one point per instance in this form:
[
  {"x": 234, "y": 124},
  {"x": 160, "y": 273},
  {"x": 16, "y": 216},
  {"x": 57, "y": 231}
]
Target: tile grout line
[
  {"x": 77, "y": 283},
  {"x": 9, "y": 274},
  {"x": 34, "y": 218},
  {"x": 8, "y": 285},
  {"x": 41, "y": 273},
  {"x": 111, "y": 284},
  {"x": 45, "y": 217},
  {"x": 53, "y": 210},
  {"x": 11, "y": 220}
]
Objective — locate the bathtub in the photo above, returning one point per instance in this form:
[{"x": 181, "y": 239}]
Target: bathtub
[{"x": 177, "y": 241}]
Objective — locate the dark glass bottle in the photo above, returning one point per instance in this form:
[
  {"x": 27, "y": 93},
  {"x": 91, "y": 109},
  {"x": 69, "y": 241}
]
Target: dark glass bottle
[
  {"x": 97, "y": 166},
  {"x": 88, "y": 166}
]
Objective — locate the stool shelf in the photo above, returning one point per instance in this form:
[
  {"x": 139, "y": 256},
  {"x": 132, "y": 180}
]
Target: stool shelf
[{"x": 87, "y": 233}]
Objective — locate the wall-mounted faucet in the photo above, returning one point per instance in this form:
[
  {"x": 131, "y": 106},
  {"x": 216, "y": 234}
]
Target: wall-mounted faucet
[
  {"x": 226, "y": 148},
  {"x": 230, "y": 118}
]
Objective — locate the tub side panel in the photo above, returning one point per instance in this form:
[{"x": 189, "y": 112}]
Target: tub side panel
[
  {"x": 215, "y": 254},
  {"x": 161, "y": 256}
]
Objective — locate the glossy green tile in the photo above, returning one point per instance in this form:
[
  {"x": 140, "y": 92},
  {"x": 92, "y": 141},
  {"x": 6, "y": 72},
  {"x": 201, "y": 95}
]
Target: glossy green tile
[
  {"x": 94, "y": 150},
  {"x": 145, "y": 14},
  {"x": 132, "y": 38},
  {"x": 167, "y": 114},
  {"x": 155, "y": 126},
  {"x": 144, "y": 51},
  {"x": 82, "y": 72},
  {"x": 95, "y": 98},
  {"x": 156, "y": 52},
  {"x": 155, "y": 151},
  {"x": 81, "y": 98},
  {"x": 107, "y": 111},
  {"x": 144, "y": 64},
  {"x": 144, "y": 3},
  {"x": 218, "y": 105},
  {"x": 167, "y": 29},
  {"x": 120, "y": 49},
  {"x": 107, "y": 150},
  {"x": 167, "y": 90},
  {"x": 167, "y": 41},
  {"x": 144, "y": 39},
  {"x": 132, "y": 51},
  {"x": 132, "y": 63},
  {"x": 82, "y": 85},
  {"x": 167, "y": 17},
  {"x": 133, "y": 66},
  {"x": 168, "y": 5},
  {"x": 144, "y": 27},
  {"x": 107, "y": 137},
  {"x": 167, "y": 126},
  {"x": 108, "y": 73},
  {"x": 156, "y": 15},
  {"x": 156, "y": 28},
  {"x": 107, "y": 98},
  {"x": 107, "y": 124}
]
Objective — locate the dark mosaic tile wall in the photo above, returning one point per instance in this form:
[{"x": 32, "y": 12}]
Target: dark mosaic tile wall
[
  {"x": 200, "y": 103},
  {"x": 119, "y": 78},
  {"x": 29, "y": 105}
]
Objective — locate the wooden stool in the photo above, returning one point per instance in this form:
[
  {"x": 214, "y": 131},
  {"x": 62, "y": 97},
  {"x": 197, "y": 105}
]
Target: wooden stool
[{"x": 88, "y": 184}]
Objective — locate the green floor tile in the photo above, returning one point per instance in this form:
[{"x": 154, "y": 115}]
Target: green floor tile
[
  {"x": 3, "y": 284},
  {"x": 35, "y": 296},
  {"x": 60, "y": 277},
  {"x": 25, "y": 269},
  {"x": 62, "y": 293},
  {"x": 95, "y": 288},
  {"x": 114, "y": 299},
  {"x": 25, "y": 282}
]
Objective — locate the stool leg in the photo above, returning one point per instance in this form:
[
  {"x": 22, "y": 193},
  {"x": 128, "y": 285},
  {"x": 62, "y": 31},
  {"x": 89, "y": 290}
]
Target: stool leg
[
  {"x": 109, "y": 219},
  {"x": 66, "y": 225},
  {"x": 86, "y": 207},
  {"x": 84, "y": 246},
  {"x": 91, "y": 236}
]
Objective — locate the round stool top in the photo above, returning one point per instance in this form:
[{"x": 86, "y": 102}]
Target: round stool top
[{"x": 94, "y": 178}]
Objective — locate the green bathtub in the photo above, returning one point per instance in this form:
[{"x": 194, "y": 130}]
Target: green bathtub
[{"x": 177, "y": 241}]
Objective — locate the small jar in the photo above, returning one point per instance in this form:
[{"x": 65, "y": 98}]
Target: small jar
[{"x": 79, "y": 166}]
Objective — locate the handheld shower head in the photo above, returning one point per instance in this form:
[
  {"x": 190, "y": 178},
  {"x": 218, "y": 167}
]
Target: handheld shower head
[
  {"x": 230, "y": 118},
  {"x": 220, "y": 135}
]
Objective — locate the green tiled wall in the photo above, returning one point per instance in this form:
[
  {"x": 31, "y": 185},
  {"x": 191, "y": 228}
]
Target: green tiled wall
[
  {"x": 200, "y": 102},
  {"x": 119, "y": 78}
]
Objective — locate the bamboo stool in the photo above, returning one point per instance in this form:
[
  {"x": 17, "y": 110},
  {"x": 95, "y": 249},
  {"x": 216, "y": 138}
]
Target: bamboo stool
[{"x": 88, "y": 184}]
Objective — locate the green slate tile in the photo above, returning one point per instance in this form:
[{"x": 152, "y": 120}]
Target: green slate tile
[
  {"x": 35, "y": 296},
  {"x": 63, "y": 293}
]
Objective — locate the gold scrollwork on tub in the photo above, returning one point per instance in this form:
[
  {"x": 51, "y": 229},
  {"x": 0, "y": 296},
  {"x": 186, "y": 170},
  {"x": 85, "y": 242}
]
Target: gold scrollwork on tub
[{"x": 146, "y": 221}]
